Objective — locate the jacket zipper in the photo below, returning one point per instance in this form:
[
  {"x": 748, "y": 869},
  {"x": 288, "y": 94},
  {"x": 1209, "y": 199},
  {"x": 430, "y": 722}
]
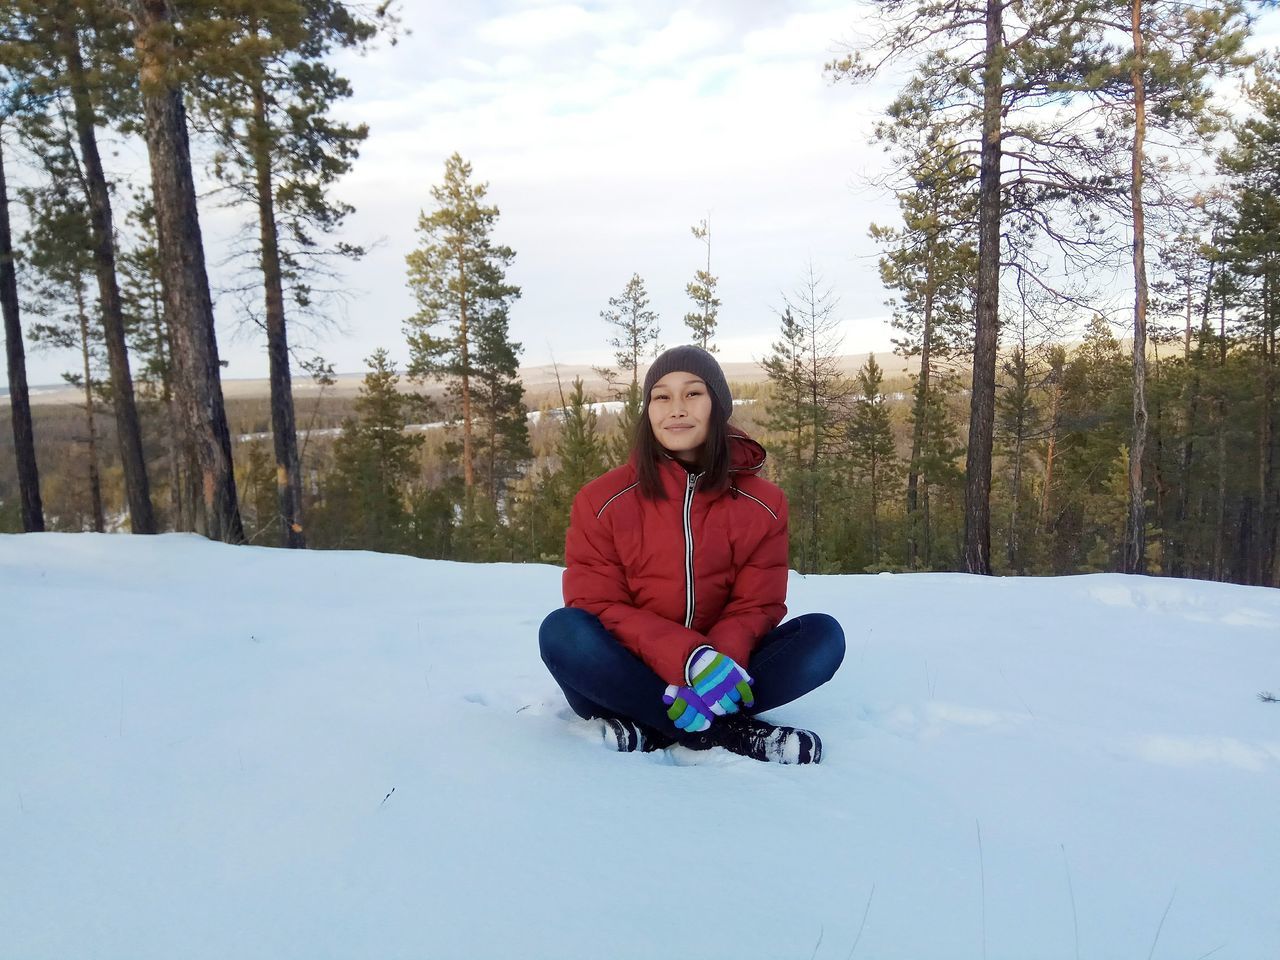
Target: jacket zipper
[{"x": 690, "y": 598}]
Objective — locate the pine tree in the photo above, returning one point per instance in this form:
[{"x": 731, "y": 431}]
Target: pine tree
[
  {"x": 1252, "y": 250},
  {"x": 940, "y": 478},
  {"x": 503, "y": 442},
  {"x": 702, "y": 291},
  {"x": 256, "y": 483},
  {"x": 59, "y": 244},
  {"x": 807, "y": 392},
  {"x": 364, "y": 498},
  {"x": 1182, "y": 283},
  {"x": 580, "y": 448},
  {"x": 31, "y": 505},
  {"x": 68, "y": 52},
  {"x": 872, "y": 456},
  {"x": 622, "y": 436},
  {"x": 636, "y": 325},
  {"x": 791, "y": 412},
  {"x": 931, "y": 264},
  {"x": 162, "y": 73},
  {"x": 1018, "y": 424},
  {"x": 151, "y": 345},
  {"x": 1004, "y": 79},
  {"x": 458, "y": 277},
  {"x": 1160, "y": 79},
  {"x": 1087, "y": 525},
  {"x": 268, "y": 95}
]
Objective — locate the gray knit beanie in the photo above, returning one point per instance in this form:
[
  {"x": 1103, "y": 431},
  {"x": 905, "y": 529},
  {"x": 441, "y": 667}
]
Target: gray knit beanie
[{"x": 697, "y": 361}]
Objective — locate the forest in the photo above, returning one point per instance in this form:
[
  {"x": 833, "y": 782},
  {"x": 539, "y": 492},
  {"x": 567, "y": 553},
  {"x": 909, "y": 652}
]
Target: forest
[{"x": 1123, "y": 419}]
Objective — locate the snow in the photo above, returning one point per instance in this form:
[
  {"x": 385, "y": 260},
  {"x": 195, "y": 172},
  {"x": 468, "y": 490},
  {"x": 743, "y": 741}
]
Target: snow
[{"x": 199, "y": 746}]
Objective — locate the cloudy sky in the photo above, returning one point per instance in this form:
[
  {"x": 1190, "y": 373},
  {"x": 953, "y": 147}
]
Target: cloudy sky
[{"x": 605, "y": 131}]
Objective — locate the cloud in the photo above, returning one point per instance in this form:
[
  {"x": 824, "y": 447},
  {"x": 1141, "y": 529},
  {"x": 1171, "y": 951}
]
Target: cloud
[
  {"x": 687, "y": 35},
  {"x": 541, "y": 27},
  {"x": 810, "y": 35},
  {"x": 604, "y": 141},
  {"x": 605, "y": 130}
]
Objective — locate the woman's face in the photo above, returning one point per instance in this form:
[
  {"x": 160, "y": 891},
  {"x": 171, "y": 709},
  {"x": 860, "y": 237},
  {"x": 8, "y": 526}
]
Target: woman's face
[{"x": 679, "y": 413}]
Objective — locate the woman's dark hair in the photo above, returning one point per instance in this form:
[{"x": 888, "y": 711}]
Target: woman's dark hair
[{"x": 713, "y": 462}]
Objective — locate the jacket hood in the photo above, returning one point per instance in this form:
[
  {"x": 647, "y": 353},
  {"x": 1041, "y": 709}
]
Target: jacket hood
[{"x": 746, "y": 456}]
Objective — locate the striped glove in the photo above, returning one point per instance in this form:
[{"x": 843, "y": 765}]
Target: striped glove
[
  {"x": 718, "y": 681},
  {"x": 686, "y": 709}
]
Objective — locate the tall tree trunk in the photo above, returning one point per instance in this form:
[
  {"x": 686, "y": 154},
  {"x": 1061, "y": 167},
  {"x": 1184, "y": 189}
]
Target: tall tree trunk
[
  {"x": 284, "y": 429},
  {"x": 1136, "y": 534},
  {"x": 982, "y": 405},
  {"x": 1019, "y": 371},
  {"x": 1159, "y": 484},
  {"x": 875, "y": 514},
  {"x": 1269, "y": 496},
  {"x": 128, "y": 433},
  {"x": 173, "y": 445},
  {"x": 920, "y": 427},
  {"x": 1013, "y": 553},
  {"x": 182, "y": 451},
  {"x": 464, "y": 342},
  {"x": 24, "y": 443},
  {"x": 926, "y": 530},
  {"x": 1273, "y": 452},
  {"x": 1191, "y": 398},
  {"x": 493, "y": 457},
  {"x": 1220, "y": 409},
  {"x": 186, "y": 284},
  {"x": 1046, "y": 498},
  {"x": 91, "y": 425},
  {"x": 818, "y": 426},
  {"x": 492, "y": 464},
  {"x": 1220, "y": 511}
]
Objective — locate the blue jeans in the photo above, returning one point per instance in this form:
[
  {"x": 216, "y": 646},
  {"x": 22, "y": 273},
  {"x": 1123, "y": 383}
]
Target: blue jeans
[{"x": 602, "y": 678}]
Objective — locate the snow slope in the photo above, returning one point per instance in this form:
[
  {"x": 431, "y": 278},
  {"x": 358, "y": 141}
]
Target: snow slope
[{"x": 197, "y": 744}]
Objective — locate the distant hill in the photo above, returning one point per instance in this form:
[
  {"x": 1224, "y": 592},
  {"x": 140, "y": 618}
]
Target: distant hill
[{"x": 539, "y": 381}]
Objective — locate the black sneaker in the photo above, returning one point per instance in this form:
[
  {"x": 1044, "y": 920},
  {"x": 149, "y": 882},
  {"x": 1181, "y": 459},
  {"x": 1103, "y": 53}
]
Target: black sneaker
[
  {"x": 750, "y": 737},
  {"x": 627, "y": 736}
]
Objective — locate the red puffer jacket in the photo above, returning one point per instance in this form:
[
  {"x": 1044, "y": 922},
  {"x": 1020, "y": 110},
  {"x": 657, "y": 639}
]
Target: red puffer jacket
[{"x": 667, "y": 576}]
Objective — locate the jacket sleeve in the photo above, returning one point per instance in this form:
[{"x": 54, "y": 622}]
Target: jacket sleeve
[
  {"x": 595, "y": 581},
  {"x": 757, "y": 603}
]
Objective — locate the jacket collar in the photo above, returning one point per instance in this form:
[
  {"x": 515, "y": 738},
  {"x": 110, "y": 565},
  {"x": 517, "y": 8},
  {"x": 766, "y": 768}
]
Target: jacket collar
[{"x": 746, "y": 458}]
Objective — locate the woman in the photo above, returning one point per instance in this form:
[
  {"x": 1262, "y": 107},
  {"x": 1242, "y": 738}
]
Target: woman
[{"x": 676, "y": 581}]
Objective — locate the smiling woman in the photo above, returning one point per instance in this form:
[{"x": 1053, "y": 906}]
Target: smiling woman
[
  {"x": 679, "y": 412},
  {"x": 676, "y": 583}
]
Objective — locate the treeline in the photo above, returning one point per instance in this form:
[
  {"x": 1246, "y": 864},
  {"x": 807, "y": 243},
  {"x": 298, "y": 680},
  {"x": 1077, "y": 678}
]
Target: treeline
[
  {"x": 118, "y": 274},
  {"x": 1043, "y": 156},
  {"x": 1039, "y": 148}
]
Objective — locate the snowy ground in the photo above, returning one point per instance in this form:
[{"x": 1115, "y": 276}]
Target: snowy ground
[{"x": 199, "y": 746}]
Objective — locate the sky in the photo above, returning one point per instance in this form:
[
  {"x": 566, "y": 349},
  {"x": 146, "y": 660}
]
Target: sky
[{"x": 605, "y": 131}]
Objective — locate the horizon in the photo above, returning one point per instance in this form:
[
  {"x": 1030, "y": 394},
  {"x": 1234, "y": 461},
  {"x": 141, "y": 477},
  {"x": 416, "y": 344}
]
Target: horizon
[{"x": 604, "y": 134}]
